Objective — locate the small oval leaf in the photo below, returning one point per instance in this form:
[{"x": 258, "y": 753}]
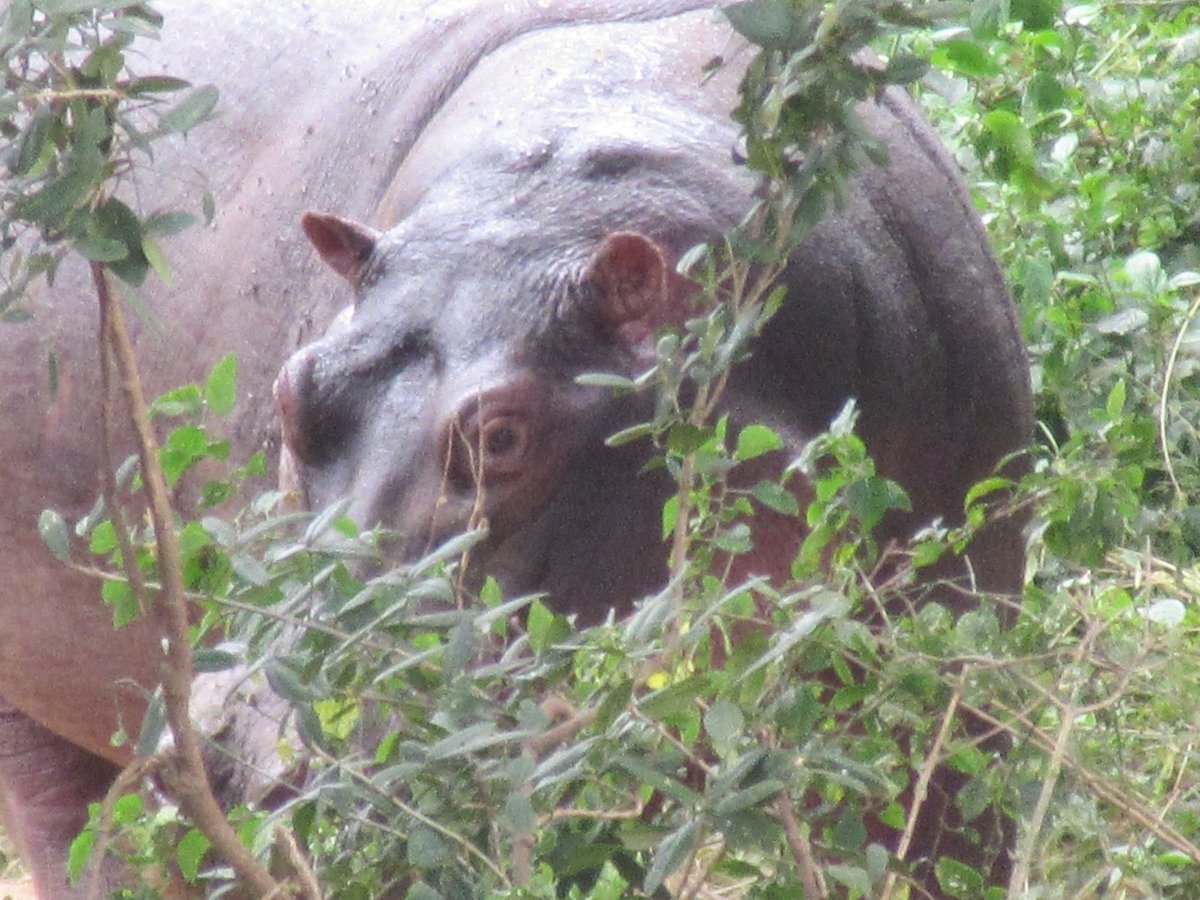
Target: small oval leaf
[{"x": 53, "y": 531}]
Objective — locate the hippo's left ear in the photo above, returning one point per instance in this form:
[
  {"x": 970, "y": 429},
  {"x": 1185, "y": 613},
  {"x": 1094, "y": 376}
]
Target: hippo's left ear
[
  {"x": 345, "y": 245},
  {"x": 631, "y": 286}
]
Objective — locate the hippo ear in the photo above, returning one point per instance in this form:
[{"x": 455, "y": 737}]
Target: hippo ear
[
  {"x": 630, "y": 285},
  {"x": 344, "y": 245}
]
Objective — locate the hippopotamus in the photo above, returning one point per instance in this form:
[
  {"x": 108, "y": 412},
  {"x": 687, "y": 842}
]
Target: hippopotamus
[{"x": 505, "y": 191}]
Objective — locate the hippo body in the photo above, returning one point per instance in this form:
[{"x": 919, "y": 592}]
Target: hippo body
[{"x": 524, "y": 169}]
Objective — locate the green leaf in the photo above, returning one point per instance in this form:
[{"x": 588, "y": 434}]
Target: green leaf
[
  {"x": 870, "y": 498},
  {"x": 103, "y": 539},
  {"x": 158, "y": 262},
  {"x": 628, "y": 435},
  {"x": 165, "y": 224},
  {"x": 460, "y": 647},
  {"x": 965, "y": 57},
  {"x": 53, "y": 531},
  {"x": 249, "y": 569},
  {"x": 724, "y": 723},
  {"x": 670, "y": 854},
  {"x": 1045, "y": 93},
  {"x": 736, "y": 539},
  {"x": 214, "y": 659},
  {"x": 193, "y": 109},
  {"x": 852, "y": 877},
  {"x": 518, "y": 812},
  {"x": 338, "y": 716},
  {"x": 422, "y": 891},
  {"x": 33, "y": 140},
  {"x": 877, "y": 861},
  {"x": 100, "y": 249},
  {"x": 771, "y": 24},
  {"x": 850, "y": 833},
  {"x": 154, "y": 723},
  {"x": 606, "y": 380},
  {"x": 905, "y": 68},
  {"x": 753, "y": 796},
  {"x": 184, "y": 447},
  {"x": 181, "y": 401},
  {"x": 115, "y": 221},
  {"x": 1035, "y": 14},
  {"x": 775, "y": 496},
  {"x": 1115, "y": 403},
  {"x": 545, "y": 628},
  {"x": 670, "y": 515},
  {"x": 154, "y": 84},
  {"x": 120, "y": 597},
  {"x": 189, "y": 853},
  {"x": 615, "y": 703},
  {"x": 286, "y": 678},
  {"x": 427, "y": 848},
  {"x": 685, "y": 438},
  {"x": 984, "y": 488},
  {"x": 51, "y": 204},
  {"x": 958, "y": 879},
  {"x": 755, "y": 440},
  {"x": 220, "y": 392},
  {"x": 79, "y": 854},
  {"x": 675, "y": 698}
]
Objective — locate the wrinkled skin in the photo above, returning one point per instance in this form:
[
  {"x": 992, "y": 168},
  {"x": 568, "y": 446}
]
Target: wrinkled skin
[{"x": 512, "y": 244}]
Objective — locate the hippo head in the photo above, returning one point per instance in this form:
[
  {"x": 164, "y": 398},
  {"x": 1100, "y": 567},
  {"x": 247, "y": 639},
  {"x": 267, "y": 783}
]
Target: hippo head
[{"x": 447, "y": 398}]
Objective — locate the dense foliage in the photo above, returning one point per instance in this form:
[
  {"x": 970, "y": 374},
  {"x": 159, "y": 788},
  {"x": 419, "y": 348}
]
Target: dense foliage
[{"x": 484, "y": 746}]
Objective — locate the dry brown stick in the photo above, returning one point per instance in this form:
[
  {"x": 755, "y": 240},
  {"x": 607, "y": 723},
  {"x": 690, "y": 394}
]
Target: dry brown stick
[
  {"x": 802, "y": 853},
  {"x": 564, "y": 731},
  {"x": 185, "y": 771},
  {"x": 310, "y": 888},
  {"x": 921, "y": 789},
  {"x": 129, "y": 561},
  {"x": 1133, "y": 807}
]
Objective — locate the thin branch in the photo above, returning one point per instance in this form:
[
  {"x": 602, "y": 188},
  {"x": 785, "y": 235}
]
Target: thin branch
[
  {"x": 310, "y": 888},
  {"x": 108, "y": 374},
  {"x": 921, "y": 789},
  {"x": 185, "y": 771},
  {"x": 1166, "y": 390},
  {"x": 1106, "y": 792},
  {"x": 564, "y": 731},
  {"x": 801, "y": 848},
  {"x": 412, "y": 813},
  {"x": 1023, "y": 858}
]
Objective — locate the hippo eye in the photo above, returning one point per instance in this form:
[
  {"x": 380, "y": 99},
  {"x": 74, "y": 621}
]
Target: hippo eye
[
  {"x": 489, "y": 445},
  {"x": 504, "y": 441}
]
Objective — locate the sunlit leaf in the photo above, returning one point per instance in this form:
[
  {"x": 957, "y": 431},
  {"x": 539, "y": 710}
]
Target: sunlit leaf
[{"x": 193, "y": 109}]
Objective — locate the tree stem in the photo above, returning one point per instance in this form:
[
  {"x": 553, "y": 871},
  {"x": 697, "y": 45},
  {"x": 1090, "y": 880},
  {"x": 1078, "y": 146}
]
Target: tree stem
[{"x": 186, "y": 773}]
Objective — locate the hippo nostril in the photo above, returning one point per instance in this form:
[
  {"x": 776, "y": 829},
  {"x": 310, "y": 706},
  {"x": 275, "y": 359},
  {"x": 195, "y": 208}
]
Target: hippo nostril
[{"x": 298, "y": 406}]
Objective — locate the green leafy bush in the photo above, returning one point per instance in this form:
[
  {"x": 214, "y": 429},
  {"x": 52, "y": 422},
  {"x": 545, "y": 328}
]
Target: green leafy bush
[{"x": 736, "y": 739}]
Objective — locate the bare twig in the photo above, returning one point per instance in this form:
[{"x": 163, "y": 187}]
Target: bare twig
[
  {"x": 310, "y": 888},
  {"x": 1166, "y": 390},
  {"x": 414, "y": 814},
  {"x": 801, "y": 849},
  {"x": 108, "y": 374},
  {"x": 184, "y": 771},
  {"x": 921, "y": 788},
  {"x": 564, "y": 731}
]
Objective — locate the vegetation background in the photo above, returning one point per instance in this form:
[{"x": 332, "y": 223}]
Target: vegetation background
[{"x": 1077, "y": 127}]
